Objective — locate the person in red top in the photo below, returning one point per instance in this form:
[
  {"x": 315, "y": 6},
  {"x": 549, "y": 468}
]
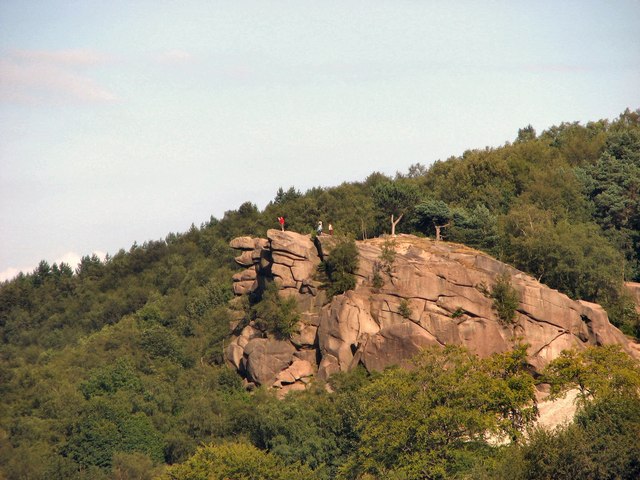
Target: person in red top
[{"x": 281, "y": 221}]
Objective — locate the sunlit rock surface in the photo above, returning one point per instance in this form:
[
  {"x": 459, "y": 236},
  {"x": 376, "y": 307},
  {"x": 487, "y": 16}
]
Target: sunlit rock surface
[{"x": 434, "y": 293}]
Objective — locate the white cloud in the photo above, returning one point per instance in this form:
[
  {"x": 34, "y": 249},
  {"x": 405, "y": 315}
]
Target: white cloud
[
  {"x": 45, "y": 77},
  {"x": 12, "y": 272},
  {"x": 72, "y": 58}
]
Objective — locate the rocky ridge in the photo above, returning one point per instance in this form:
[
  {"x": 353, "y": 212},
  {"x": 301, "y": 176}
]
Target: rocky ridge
[{"x": 432, "y": 293}]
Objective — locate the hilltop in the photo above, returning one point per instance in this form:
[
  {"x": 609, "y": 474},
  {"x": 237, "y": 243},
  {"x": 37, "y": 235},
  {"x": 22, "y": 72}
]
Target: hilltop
[{"x": 118, "y": 367}]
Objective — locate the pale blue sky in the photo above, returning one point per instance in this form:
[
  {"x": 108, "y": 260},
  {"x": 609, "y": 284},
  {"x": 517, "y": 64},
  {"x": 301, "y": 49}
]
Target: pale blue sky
[{"x": 123, "y": 121}]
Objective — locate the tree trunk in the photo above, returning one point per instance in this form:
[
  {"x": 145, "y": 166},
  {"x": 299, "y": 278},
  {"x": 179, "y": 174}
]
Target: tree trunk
[
  {"x": 438, "y": 227},
  {"x": 394, "y": 223}
]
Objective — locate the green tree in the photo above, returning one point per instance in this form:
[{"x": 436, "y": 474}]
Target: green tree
[
  {"x": 597, "y": 372},
  {"x": 574, "y": 258},
  {"x": 600, "y": 444},
  {"x": 613, "y": 185},
  {"x": 298, "y": 429},
  {"x": 432, "y": 215},
  {"x": 274, "y": 314},
  {"x": 234, "y": 460},
  {"x": 105, "y": 428},
  {"x": 505, "y": 298},
  {"x": 340, "y": 266},
  {"x": 395, "y": 199},
  {"x": 432, "y": 420}
]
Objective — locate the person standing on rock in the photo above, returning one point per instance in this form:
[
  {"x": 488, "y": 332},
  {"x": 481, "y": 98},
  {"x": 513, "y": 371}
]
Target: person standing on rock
[
  {"x": 281, "y": 222},
  {"x": 319, "y": 228},
  {"x": 330, "y": 229}
]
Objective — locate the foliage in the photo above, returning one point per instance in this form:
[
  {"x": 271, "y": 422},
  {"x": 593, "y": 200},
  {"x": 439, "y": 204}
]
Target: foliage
[
  {"x": 128, "y": 350},
  {"x": 426, "y": 422},
  {"x": 597, "y": 372},
  {"x": 236, "y": 460},
  {"x": 505, "y": 298},
  {"x": 572, "y": 257},
  {"x": 395, "y": 199},
  {"x": 388, "y": 255},
  {"x": 274, "y": 314},
  {"x": 340, "y": 267},
  {"x": 377, "y": 281},
  {"x": 404, "y": 309},
  {"x": 298, "y": 429},
  {"x": 105, "y": 428},
  {"x": 601, "y": 444}
]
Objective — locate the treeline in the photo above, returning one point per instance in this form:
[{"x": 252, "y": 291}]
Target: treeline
[{"x": 115, "y": 368}]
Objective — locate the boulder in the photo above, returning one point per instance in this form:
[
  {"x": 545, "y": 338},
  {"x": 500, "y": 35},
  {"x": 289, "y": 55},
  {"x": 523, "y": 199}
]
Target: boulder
[
  {"x": 245, "y": 259},
  {"x": 292, "y": 244},
  {"x": 306, "y": 336},
  {"x": 242, "y": 243},
  {"x": 245, "y": 287},
  {"x": 245, "y": 275},
  {"x": 265, "y": 358}
]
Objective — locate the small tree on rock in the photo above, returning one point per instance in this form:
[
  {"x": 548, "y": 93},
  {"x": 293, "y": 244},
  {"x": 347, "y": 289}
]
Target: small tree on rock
[{"x": 396, "y": 199}]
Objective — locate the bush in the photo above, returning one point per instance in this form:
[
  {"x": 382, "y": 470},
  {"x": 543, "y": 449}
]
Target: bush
[
  {"x": 340, "y": 267},
  {"x": 403, "y": 309},
  {"x": 274, "y": 314},
  {"x": 234, "y": 460},
  {"x": 505, "y": 299}
]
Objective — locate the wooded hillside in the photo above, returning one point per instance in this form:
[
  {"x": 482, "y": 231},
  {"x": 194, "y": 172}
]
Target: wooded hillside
[{"x": 114, "y": 369}]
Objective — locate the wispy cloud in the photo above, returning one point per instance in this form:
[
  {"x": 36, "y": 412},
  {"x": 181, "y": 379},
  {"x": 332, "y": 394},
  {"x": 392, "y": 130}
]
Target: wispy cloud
[
  {"x": 71, "y": 58},
  {"x": 52, "y": 77},
  {"x": 173, "y": 57},
  {"x": 556, "y": 68}
]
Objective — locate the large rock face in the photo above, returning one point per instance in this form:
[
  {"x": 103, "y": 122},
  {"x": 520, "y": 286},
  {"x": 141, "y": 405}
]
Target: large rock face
[{"x": 433, "y": 293}]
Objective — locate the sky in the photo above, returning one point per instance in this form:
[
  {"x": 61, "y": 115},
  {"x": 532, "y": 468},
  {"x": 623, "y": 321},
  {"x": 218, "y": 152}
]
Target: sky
[{"x": 122, "y": 121}]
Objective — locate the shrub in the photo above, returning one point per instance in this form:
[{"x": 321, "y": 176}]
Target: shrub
[
  {"x": 234, "y": 460},
  {"x": 388, "y": 255},
  {"x": 505, "y": 299},
  {"x": 377, "y": 281},
  {"x": 340, "y": 267},
  {"x": 276, "y": 315},
  {"x": 404, "y": 309}
]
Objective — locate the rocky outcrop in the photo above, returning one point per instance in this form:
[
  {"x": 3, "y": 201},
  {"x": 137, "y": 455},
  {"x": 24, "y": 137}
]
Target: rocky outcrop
[{"x": 431, "y": 293}]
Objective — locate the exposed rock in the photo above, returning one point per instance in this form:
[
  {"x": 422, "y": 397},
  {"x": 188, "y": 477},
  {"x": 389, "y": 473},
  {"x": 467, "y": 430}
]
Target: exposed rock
[
  {"x": 434, "y": 293},
  {"x": 394, "y": 345},
  {"x": 245, "y": 259},
  {"x": 553, "y": 413},
  {"x": 245, "y": 275},
  {"x": 293, "y": 244},
  {"x": 243, "y": 288},
  {"x": 266, "y": 358},
  {"x": 306, "y": 336},
  {"x": 243, "y": 243}
]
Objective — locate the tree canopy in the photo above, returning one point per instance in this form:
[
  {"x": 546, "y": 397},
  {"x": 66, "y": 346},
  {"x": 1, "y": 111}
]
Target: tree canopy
[{"x": 115, "y": 367}]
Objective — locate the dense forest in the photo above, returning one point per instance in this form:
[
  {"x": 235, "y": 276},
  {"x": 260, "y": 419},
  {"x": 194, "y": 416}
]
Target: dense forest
[{"x": 115, "y": 369}]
